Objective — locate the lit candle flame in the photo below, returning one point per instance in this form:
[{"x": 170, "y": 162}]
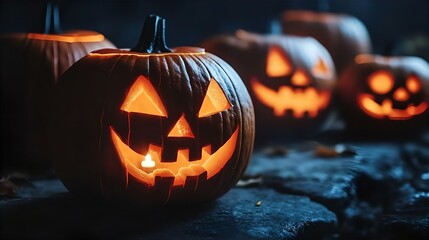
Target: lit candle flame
[{"x": 148, "y": 162}]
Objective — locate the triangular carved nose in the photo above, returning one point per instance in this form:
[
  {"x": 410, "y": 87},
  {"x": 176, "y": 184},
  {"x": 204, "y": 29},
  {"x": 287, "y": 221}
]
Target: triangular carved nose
[
  {"x": 181, "y": 129},
  {"x": 401, "y": 95},
  {"x": 299, "y": 78}
]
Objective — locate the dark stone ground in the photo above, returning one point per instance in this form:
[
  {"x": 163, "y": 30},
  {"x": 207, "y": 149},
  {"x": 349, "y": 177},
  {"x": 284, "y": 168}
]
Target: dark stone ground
[{"x": 339, "y": 190}]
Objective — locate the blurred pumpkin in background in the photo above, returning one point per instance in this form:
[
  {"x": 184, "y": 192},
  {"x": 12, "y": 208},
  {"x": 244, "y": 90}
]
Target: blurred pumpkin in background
[
  {"x": 290, "y": 80},
  {"x": 30, "y": 67},
  {"x": 343, "y": 35},
  {"x": 387, "y": 96},
  {"x": 152, "y": 125}
]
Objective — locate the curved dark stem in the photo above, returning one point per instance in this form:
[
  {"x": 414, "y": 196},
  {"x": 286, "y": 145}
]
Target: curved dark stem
[
  {"x": 152, "y": 38},
  {"x": 52, "y": 18}
]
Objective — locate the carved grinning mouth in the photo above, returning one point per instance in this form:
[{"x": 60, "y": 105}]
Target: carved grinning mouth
[
  {"x": 211, "y": 163},
  {"x": 385, "y": 109},
  {"x": 286, "y": 98}
]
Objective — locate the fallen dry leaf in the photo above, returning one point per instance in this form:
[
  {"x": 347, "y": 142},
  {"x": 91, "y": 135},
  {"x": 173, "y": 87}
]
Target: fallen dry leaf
[{"x": 325, "y": 151}]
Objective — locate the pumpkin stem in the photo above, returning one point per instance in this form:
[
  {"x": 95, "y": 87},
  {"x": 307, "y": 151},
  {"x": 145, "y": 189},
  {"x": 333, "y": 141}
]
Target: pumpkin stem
[
  {"x": 52, "y": 18},
  {"x": 152, "y": 38}
]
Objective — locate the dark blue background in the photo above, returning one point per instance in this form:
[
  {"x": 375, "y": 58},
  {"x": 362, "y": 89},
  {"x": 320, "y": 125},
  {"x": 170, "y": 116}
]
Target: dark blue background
[{"x": 191, "y": 21}]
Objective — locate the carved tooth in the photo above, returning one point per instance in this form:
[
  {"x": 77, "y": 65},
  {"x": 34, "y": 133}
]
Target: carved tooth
[
  {"x": 182, "y": 156},
  {"x": 206, "y": 151},
  {"x": 312, "y": 113},
  {"x": 155, "y": 152},
  {"x": 163, "y": 173},
  {"x": 181, "y": 177},
  {"x": 298, "y": 113},
  {"x": 279, "y": 111},
  {"x": 179, "y": 180}
]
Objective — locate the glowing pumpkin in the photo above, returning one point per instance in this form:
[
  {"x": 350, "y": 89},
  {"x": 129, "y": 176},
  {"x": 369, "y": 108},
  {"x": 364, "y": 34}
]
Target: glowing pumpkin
[
  {"x": 343, "y": 35},
  {"x": 386, "y": 95},
  {"x": 290, "y": 80},
  {"x": 152, "y": 125},
  {"x": 31, "y": 65}
]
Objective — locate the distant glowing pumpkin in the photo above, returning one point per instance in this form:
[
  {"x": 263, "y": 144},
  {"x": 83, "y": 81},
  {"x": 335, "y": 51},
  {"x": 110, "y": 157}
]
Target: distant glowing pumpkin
[
  {"x": 290, "y": 79},
  {"x": 387, "y": 94}
]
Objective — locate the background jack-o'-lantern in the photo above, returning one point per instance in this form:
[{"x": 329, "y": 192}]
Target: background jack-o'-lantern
[
  {"x": 385, "y": 95},
  {"x": 152, "y": 125},
  {"x": 31, "y": 64},
  {"x": 343, "y": 35},
  {"x": 290, "y": 80}
]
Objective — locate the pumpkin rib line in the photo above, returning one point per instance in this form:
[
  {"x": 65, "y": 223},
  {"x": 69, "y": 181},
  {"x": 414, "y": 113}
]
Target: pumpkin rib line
[
  {"x": 208, "y": 72},
  {"x": 101, "y": 126},
  {"x": 231, "y": 70},
  {"x": 226, "y": 72}
]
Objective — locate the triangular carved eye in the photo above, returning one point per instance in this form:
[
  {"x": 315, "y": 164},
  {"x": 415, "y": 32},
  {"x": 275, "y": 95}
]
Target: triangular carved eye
[
  {"x": 413, "y": 84},
  {"x": 321, "y": 69},
  {"x": 215, "y": 100},
  {"x": 278, "y": 65},
  {"x": 143, "y": 98}
]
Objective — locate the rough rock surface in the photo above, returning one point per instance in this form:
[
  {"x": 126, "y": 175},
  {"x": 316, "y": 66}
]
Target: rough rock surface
[
  {"x": 241, "y": 214},
  {"x": 373, "y": 190}
]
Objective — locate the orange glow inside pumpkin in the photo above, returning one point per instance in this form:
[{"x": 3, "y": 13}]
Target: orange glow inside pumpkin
[
  {"x": 277, "y": 63},
  {"x": 299, "y": 78},
  {"x": 401, "y": 95},
  {"x": 299, "y": 101},
  {"x": 381, "y": 82},
  {"x": 386, "y": 110},
  {"x": 69, "y": 38},
  {"x": 143, "y": 98},
  {"x": 321, "y": 69},
  {"x": 215, "y": 100},
  {"x": 182, "y": 168},
  {"x": 181, "y": 129},
  {"x": 146, "y": 167},
  {"x": 413, "y": 84}
]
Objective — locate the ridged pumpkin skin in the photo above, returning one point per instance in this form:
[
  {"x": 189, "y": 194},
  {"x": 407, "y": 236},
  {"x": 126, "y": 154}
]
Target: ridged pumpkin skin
[
  {"x": 398, "y": 109},
  {"x": 343, "y": 35},
  {"x": 89, "y": 112},
  {"x": 31, "y": 65}
]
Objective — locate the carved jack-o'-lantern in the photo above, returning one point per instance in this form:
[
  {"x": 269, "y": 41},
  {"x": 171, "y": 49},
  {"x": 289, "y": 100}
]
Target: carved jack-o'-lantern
[
  {"x": 344, "y": 36},
  {"x": 152, "y": 125},
  {"x": 290, "y": 79},
  {"x": 31, "y": 64},
  {"x": 385, "y": 94}
]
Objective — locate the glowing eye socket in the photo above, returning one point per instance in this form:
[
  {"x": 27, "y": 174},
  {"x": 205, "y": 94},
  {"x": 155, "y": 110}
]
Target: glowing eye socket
[
  {"x": 321, "y": 68},
  {"x": 215, "y": 100},
  {"x": 413, "y": 84},
  {"x": 277, "y": 63},
  {"x": 143, "y": 98},
  {"x": 380, "y": 82}
]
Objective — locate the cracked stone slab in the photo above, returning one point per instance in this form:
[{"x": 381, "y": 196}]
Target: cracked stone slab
[
  {"x": 408, "y": 217},
  {"x": 240, "y": 214},
  {"x": 329, "y": 181}
]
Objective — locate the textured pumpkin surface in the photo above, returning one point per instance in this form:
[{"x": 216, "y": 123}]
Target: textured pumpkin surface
[
  {"x": 343, "y": 35},
  {"x": 385, "y": 95},
  {"x": 31, "y": 65},
  {"x": 290, "y": 80},
  {"x": 88, "y": 114}
]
